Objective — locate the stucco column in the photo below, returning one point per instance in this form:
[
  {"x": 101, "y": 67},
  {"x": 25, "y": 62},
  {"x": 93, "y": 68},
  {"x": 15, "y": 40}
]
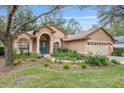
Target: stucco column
[
  {"x": 51, "y": 45},
  {"x": 15, "y": 45},
  {"x": 38, "y": 45},
  {"x": 30, "y": 47}
]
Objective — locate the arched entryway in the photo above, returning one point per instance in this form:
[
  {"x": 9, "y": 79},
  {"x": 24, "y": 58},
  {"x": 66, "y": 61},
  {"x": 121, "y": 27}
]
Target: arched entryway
[{"x": 44, "y": 44}]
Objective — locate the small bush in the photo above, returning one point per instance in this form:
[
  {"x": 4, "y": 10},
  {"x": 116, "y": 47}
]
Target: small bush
[
  {"x": 36, "y": 55},
  {"x": 39, "y": 55},
  {"x": 118, "y": 52},
  {"x": 115, "y": 61},
  {"x": 66, "y": 54},
  {"x": 2, "y": 50},
  {"x": 23, "y": 54},
  {"x": 46, "y": 63},
  {"x": 66, "y": 66},
  {"x": 16, "y": 62},
  {"x": 83, "y": 65},
  {"x": 97, "y": 60}
]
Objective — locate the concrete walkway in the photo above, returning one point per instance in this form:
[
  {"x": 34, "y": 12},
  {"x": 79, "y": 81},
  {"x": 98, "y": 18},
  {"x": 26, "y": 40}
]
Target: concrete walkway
[{"x": 120, "y": 59}]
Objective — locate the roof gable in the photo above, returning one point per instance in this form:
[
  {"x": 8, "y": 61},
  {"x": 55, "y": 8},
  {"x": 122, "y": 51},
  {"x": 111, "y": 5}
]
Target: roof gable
[
  {"x": 85, "y": 35},
  {"x": 28, "y": 34},
  {"x": 99, "y": 29},
  {"x": 51, "y": 27}
]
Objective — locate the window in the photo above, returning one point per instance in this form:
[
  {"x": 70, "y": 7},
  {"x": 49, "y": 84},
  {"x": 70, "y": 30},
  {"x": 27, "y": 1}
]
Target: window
[
  {"x": 56, "y": 45},
  {"x": 23, "y": 44}
]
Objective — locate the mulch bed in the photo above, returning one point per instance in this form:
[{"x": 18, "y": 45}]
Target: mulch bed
[
  {"x": 38, "y": 63},
  {"x": 6, "y": 69}
]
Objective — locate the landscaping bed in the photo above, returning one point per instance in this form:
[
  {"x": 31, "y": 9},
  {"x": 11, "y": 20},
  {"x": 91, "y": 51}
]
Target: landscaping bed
[
  {"x": 64, "y": 60},
  {"x": 69, "y": 56},
  {"x": 37, "y": 71}
]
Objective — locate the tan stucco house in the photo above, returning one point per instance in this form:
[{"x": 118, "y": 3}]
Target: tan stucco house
[{"x": 46, "y": 38}]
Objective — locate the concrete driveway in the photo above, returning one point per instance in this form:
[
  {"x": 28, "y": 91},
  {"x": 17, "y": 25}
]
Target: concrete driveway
[{"x": 120, "y": 59}]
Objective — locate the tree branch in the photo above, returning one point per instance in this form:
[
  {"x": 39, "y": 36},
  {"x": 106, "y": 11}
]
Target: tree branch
[
  {"x": 44, "y": 14},
  {"x": 9, "y": 19},
  {"x": 121, "y": 7}
]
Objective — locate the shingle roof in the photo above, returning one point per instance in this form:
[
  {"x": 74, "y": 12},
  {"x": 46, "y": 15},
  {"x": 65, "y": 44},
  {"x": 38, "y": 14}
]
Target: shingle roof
[
  {"x": 84, "y": 35},
  {"x": 81, "y": 35}
]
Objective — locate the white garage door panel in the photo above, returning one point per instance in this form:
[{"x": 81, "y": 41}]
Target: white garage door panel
[{"x": 99, "y": 49}]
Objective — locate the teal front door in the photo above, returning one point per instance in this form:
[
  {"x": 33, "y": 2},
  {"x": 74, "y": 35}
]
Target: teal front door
[{"x": 43, "y": 47}]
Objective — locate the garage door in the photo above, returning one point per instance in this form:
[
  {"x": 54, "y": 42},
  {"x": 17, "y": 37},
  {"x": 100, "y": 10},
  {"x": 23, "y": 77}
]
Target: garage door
[{"x": 98, "y": 48}]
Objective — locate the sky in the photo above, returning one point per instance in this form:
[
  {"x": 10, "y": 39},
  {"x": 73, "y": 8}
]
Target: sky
[{"x": 86, "y": 17}]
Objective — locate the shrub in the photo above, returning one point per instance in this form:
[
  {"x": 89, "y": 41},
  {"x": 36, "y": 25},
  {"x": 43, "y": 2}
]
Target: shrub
[
  {"x": 16, "y": 62},
  {"x": 39, "y": 55},
  {"x": 66, "y": 66},
  {"x": 2, "y": 50},
  {"x": 97, "y": 60},
  {"x": 23, "y": 54},
  {"x": 118, "y": 52},
  {"x": 66, "y": 54},
  {"x": 46, "y": 63},
  {"x": 82, "y": 65},
  {"x": 35, "y": 55},
  {"x": 115, "y": 61}
]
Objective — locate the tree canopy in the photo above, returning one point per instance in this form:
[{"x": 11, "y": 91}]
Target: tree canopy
[
  {"x": 112, "y": 17},
  {"x": 24, "y": 14},
  {"x": 70, "y": 26},
  {"x": 111, "y": 13}
]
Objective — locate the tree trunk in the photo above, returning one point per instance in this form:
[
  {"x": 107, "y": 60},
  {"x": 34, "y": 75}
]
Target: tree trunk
[{"x": 9, "y": 51}]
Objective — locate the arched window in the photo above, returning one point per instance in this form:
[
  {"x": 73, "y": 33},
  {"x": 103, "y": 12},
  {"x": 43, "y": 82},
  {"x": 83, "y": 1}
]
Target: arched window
[
  {"x": 23, "y": 44},
  {"x": 56, "y": 45}
]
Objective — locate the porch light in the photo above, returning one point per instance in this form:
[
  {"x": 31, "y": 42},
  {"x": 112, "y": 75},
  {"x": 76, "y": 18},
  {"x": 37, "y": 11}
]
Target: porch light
[{"x": 111, "y": 46}]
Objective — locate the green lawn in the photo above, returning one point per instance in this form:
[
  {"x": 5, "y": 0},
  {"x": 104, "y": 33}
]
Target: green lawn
[{"x": 49, "y": 78}]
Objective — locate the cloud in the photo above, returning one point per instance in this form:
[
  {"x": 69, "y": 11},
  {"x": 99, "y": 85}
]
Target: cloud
[{"x": 83, "y": 17}]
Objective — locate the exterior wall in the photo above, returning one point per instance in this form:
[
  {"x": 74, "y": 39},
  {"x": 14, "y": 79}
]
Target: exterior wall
[
  {"x": 75, "y": 45},
  {"x": 80, "y": 46},
  {"x": 100, "y": 37},
  {"x": 53, "y": 37},
  {"x": 15, "y": 45},
  {"x": 57, "y": 37},
  {"x": 85, "y": 46},
  {"x": 34, "y": 45}
]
